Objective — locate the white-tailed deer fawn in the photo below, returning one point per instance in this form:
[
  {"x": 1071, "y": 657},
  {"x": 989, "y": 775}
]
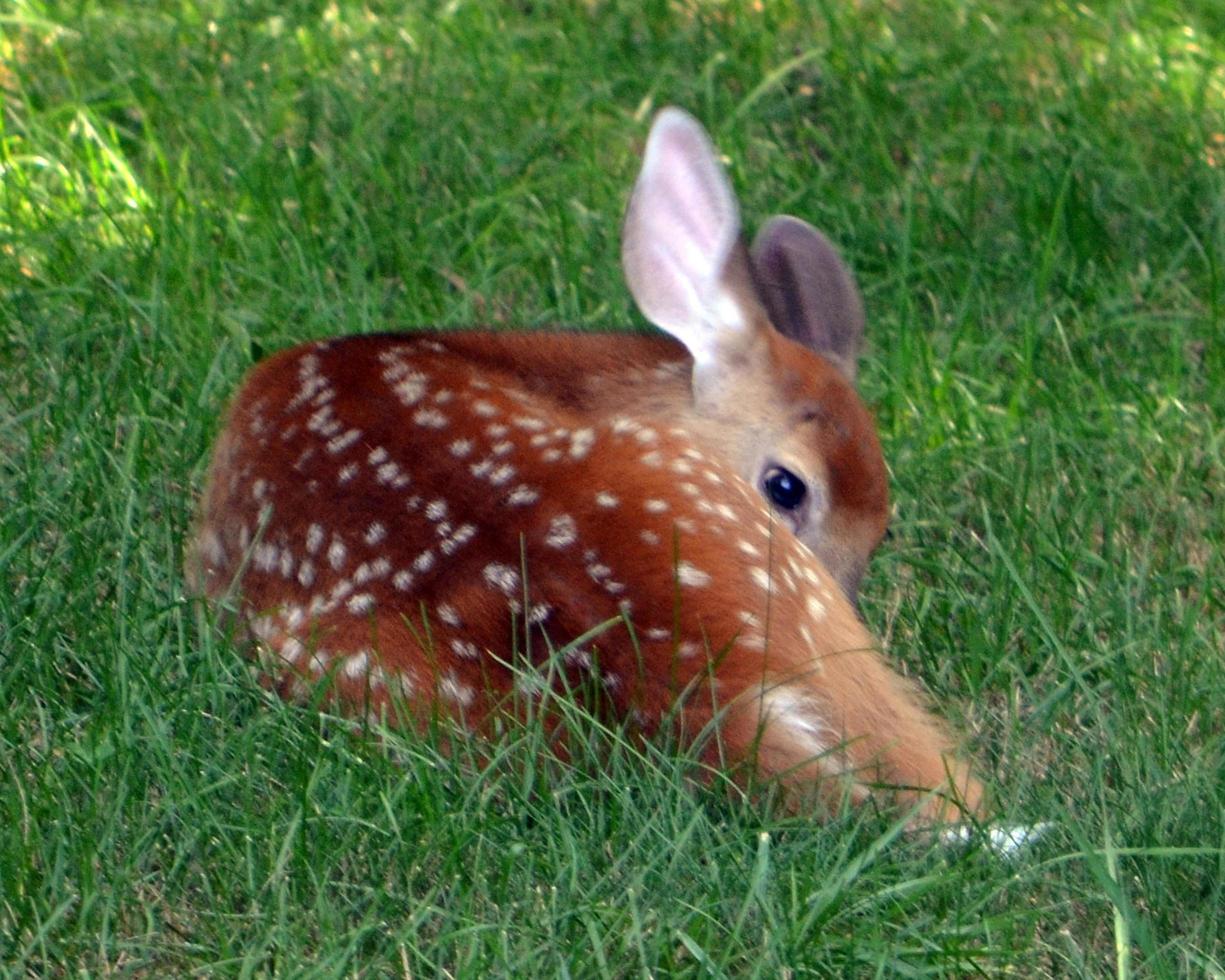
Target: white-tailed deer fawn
[{"x": 417, "y": 519}]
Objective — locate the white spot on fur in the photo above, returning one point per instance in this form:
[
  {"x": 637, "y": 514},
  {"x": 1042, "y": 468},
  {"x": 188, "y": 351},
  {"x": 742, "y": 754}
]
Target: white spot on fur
[
  {"x": 448, "y": 614},
  {"x": 688, "y": 574},
  {"x": 358, "y": 664},
  {"x": 649, "y": 537},
  {"x": 806, "y": 636},
  {"x": 395, "y": 369},
  {"x": 430, "y": 418},
  {"x": 319, "y": 419},
  {"x": 424, "y": 561},
  {"x": 387, "y": 472},
  {"x": 465, "y": 649},
  {"x": 598, "y": 571},
  {"x": 375, "y": 533},
  {"x": 304, "y": 457},
  {"x": 760, "y": 576},
  {"x": 436, "y": 510},
  {"x": 368, "y": 571},
  {"x": 265, "y": 556},
  {"x": 484, "y": 409},
  {"x": 816, "y": 609},
  {"x": 522, "y": 496},
  {"x": 403, "y": 580},
  {"x": 579, "y": 658},
  {"x": 562, "y": 532},
  {"x": 411, "y": 389},
  {"x": 460, "y": 537},
  {"x": 581, "y": 441},
  {"x": 655, "y": 506},
  {"x": 337, "y": 553},
  {"x": 292, "y": 651},
  {"x": 361, "y": 603},
  {"x": 347, "y": 472},
  {"x": 343, "y": 442},
  {"x": 606, "y": 499},
  {"x": 501, "y": 577},
  {"x": 461, "y": 448},
  {"x": 306, "y": 574},
  {"x": 538, "y": 613},
  {"x": 451, "y": 689},
  {"x": 377, "y": 455},
  {"x": 502, "y": 474}
]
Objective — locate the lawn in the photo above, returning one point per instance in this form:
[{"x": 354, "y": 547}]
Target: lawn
[{"x": 1033, "y": 198}]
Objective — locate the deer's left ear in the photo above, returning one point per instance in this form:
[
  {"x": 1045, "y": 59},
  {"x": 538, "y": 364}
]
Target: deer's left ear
[{"x": 808, "y": 291}]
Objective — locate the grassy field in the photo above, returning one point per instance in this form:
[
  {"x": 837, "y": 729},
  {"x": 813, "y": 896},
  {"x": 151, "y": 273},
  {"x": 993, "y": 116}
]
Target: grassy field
[{"x": 1033, "y": 196}]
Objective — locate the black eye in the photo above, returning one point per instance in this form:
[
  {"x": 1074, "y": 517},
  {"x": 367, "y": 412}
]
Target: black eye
[{"x": 785, "y": 488}]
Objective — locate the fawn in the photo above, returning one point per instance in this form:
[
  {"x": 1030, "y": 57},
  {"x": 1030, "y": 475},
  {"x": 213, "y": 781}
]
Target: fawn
[{"x": 421, "y": 520}]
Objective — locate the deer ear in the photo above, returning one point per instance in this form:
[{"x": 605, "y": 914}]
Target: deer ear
[
  {"x": 808, "y": 291},
  {"x": 681, "y": 241}
]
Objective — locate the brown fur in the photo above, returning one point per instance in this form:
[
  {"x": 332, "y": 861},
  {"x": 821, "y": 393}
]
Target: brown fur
[
  {"x": 447, "y": 522},
  {"x": 699, "y": 620}
]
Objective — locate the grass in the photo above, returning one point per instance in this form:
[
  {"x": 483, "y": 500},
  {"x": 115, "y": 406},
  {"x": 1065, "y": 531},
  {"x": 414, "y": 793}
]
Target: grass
[{"x": 1033, "y": 196}]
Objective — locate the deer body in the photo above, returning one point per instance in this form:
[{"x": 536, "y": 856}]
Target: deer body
[{"x": 428, "y": 520}]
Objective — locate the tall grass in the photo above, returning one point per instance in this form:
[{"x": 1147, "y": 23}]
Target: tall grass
[{"x": 1033, "y": 196}]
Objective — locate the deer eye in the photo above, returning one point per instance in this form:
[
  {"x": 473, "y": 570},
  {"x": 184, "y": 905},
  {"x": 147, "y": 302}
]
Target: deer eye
[{"x": 784, "y": 488}]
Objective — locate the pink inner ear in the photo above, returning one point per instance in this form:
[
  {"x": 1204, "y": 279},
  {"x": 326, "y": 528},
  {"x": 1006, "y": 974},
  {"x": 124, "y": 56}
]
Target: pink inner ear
[
  {"x": 680, "y": 227},
  {"x": 688, "y": 187},
  {"x": 663, "y": 291}
]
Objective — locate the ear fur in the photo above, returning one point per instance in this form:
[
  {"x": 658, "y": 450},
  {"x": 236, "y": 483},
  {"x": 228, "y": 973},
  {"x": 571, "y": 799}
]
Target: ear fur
[
  {"x": 681, "y": 232},
  {"x": 808, "y": 291}
]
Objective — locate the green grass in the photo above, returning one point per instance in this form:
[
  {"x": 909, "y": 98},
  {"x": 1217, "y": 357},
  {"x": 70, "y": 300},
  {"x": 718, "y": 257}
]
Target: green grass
[{"x": 1033, "y": 196}]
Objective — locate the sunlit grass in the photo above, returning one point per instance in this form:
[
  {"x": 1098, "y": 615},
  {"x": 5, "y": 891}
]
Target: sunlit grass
[{"x": 1034, "y": 198}]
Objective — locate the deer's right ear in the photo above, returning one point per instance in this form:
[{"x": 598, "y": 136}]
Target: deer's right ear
[
  {"x": 680, "y": 235},
  {"x": 808, "y": 291}
]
